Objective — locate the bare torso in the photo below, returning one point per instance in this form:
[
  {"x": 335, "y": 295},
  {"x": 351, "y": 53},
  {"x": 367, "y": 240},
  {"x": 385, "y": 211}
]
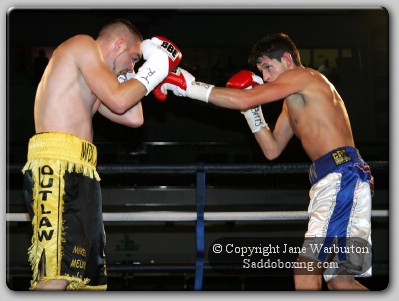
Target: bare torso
[
  {"x": 317, "y": 115},
  {"x": 66, "y": 104}
]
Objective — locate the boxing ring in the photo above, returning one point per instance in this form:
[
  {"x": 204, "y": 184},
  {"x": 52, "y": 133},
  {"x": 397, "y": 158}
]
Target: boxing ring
[{"x": 200, "y": 216}]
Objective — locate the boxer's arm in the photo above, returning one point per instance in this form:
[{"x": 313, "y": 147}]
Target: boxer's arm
[
  {"x": 184, "y": 84},
  {"x": 288, "y": 83},
  {"x": 272, "y": 143},
  {"x": 132, "y": 117},
  {"x": 118, "y": 97},
  {"x": 246, "y": 79}
]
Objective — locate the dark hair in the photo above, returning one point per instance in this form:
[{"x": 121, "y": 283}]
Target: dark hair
[
  {"x": 118, "y": 23},
  {"x": 274, "y": 46}
]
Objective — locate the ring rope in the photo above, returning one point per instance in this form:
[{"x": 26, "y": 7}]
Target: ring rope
[
  {"x": 187, "y": 216},
  {"x": 270, "y": 168}
]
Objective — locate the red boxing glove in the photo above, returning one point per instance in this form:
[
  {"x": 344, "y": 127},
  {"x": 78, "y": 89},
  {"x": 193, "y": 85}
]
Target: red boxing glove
[
  {"x": 182, "y": 83},
  {"x": 244, "y": 79},
  {"x": 174, "y": 80}
]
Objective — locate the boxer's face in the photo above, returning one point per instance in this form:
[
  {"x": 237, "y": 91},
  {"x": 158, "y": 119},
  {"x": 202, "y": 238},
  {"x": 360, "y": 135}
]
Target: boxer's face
[
  {"x": 134, "y": 53},
  {"x": 127, "y": 58},
  {"x": 270, "y": 68}
]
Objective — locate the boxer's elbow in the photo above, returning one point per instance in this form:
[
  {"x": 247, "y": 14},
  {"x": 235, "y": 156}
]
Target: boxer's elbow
[
  {"x": 122, "y": 104},
  {"x": 119, "y": 107},
  {"x": 135, "y": 122},
  {"x": 271, "y": 153}
]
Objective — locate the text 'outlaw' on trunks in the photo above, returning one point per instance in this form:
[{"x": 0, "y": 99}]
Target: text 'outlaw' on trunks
[{"x": 45, "y": 190}]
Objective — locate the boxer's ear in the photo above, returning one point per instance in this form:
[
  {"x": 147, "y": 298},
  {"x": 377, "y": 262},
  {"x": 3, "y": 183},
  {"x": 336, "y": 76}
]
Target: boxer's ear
[
  {"x": 120, "y": 44},
  {"x": 287, "y": 59}
]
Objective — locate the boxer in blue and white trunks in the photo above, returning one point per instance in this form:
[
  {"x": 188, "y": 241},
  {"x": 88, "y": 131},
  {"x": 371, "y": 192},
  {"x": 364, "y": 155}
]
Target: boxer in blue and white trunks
[
  {"x": 315, "y": 113},
  {"x": 340, "y": 213}
]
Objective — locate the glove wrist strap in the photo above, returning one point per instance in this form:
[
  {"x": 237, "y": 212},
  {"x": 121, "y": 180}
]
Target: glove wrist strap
[
  {"x": 199, "y": 91},
  {"x": 255, "y": 119}
]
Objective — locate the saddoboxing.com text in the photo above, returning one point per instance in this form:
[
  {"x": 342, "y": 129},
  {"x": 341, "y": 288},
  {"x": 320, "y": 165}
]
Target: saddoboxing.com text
[{"x": 310, "y": 266}]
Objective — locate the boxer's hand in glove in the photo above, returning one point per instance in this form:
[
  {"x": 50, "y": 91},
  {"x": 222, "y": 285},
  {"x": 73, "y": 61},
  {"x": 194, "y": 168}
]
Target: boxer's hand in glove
[
  {"x": 182, "y": 83},
  {"x": 245, "y": 79},
  {"x": 161, "y": 56}
]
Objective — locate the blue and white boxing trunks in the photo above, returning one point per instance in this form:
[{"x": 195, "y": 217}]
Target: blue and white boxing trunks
[{"x": 339, "y": 229}]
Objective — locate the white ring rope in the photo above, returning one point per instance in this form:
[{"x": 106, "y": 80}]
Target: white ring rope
[{"x": 164, "y": 216}]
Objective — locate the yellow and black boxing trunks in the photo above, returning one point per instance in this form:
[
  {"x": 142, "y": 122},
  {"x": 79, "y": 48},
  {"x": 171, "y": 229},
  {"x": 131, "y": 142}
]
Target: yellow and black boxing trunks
[{"x": 62, "y": 193}]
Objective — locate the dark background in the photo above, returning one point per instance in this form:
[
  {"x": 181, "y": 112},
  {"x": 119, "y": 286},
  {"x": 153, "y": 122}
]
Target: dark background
[{"x": 215, "y": 45}]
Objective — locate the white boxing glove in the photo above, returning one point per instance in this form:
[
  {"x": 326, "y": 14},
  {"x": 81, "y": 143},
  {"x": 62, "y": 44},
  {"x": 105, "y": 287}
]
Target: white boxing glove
[{"x": 161, "y": 56}]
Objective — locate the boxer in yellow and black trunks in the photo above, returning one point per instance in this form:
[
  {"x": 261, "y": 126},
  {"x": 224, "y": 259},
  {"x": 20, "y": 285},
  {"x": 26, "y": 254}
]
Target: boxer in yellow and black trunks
[
  {"x": 63, "y": 184},
  {"x": 84, "y": 76}
]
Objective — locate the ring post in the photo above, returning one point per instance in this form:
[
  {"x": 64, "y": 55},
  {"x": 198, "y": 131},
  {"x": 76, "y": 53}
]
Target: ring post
[{"x": 200, "y": 235}]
